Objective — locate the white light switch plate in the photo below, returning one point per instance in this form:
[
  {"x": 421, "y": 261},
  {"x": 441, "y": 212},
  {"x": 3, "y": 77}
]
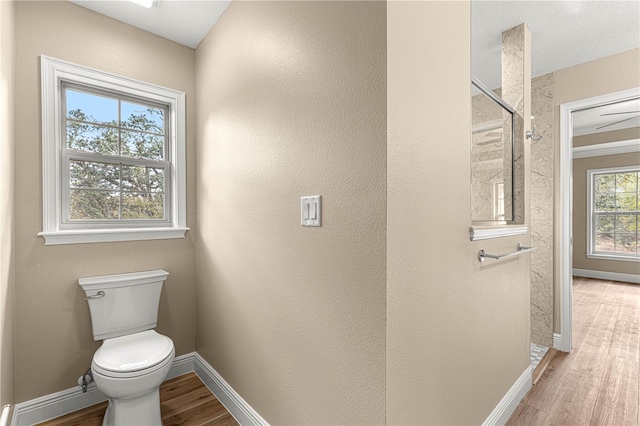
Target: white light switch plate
[{"x": 310, "y": 210}]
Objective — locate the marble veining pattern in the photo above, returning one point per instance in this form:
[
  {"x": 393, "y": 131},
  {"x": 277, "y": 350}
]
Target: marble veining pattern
[
  {"x": 513, "y": 64},
  {"x": 542, "y": 178},
  {"x": 536, "y": 354}
]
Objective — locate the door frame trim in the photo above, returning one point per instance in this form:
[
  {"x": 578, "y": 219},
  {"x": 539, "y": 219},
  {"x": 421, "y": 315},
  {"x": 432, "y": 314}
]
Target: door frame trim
[{"x": 566, "y": 200}]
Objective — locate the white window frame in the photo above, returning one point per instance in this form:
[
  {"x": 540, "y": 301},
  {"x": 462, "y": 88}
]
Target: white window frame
[
  {"x": 55, "y": 74},
  {"x": 498, "y": 189},
  {"x": 591, "y": 234}
]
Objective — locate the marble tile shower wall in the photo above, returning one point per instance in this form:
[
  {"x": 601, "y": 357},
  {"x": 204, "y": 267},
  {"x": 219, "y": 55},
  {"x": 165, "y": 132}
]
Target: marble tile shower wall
[
  {"x": 542, "y": 161},
  {"x": 513, "y": 92}
]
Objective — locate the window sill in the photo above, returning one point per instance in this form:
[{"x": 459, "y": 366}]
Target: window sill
[
  {"x": 477, "y": 233},
  {"x": 603, "y": 256},
  {"x": 110, "y": 235}
]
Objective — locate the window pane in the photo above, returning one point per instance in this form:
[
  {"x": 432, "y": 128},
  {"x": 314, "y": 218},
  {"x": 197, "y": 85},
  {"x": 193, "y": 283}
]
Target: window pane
[
  {"x": 93, "y": 108},
  {"x": 142, "y": 206},
  {"x": 626, "y": 243},
  {"x": 142, "y": 179},
  {"x": 626, "y": 201},
  {"x": 86, "y": 174},
  {"x": 605, "y": 202},
  {"x": 605, "y": 183},
  {"x": 604, "y": 223},
  {"x": 92, "y": 138},
  {"x": 144, "y": 118},
  {"x": 626, "y": 182},
  {"x": 88, "y": 204},
  {"x": 626, "y": 223},
  {"x": 142, "y": 145},
  {"x": 604, "y": 242}
]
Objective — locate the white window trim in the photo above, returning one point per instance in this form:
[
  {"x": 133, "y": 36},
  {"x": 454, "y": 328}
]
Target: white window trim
[
  {"x": 591, "y": 216},
  {"x": 53, "y": 73}
]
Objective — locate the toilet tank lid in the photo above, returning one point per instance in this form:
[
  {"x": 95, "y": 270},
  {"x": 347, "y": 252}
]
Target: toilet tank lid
[{"x": 118, "y": 280}]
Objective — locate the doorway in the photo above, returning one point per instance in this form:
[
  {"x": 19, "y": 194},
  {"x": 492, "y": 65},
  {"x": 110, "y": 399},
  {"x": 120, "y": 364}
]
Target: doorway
[{"x": 565, "y": 249}]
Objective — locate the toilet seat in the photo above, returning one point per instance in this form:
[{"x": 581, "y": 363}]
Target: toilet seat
[{"x": 133, "y": 355}]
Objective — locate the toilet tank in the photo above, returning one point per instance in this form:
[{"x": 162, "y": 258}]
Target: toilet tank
[{"x": 129, "y": 305}]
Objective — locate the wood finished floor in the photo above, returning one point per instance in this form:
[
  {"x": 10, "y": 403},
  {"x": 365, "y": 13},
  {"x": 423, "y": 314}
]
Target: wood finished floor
[
  {"x": 184, "y": 400},
  {"x": 598, "y": 383}
]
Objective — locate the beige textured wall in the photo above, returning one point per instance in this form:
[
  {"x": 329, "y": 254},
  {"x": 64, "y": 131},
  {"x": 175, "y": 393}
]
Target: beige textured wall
[
  {"x": 457, "y": 330},
  {"x": 606, "y": 137},
  {"x": 7, "y": 143},
  {"x": 607, "y": 75},
  {"x": 291, "y": 102},
  {"x": 55, "y": 344},
  {"x": 580, "y": 167}
]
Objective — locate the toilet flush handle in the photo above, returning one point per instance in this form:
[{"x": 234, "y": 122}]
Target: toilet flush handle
[{"x": 95, "y": 296}]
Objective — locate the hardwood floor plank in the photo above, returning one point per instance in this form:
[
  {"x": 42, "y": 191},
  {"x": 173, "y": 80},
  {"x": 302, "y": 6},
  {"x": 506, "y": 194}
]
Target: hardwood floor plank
[
  {"x": 183, "y": 403},
  {"x": 89, "y": 416},
  {"x": 543, "y": 364},
  {"x": 591, "y": 355},
  {"x": 224, "y": 420},
  {"x": 184, "y": 400},
  {"x": 575, "y": 400},
  {"x": 601, "y": 291},
  {"x": 179, "y": 385},
  {"x": 617, "y": 402},
  {"x": 625, "y": 342},
  {"x": 599, "y": 382},
  {"x": 631, "y": 299},
  {"x": 525, "y": 415},
  {"x": 543, "y": 394},
  {"x": 197, "y": 415}
]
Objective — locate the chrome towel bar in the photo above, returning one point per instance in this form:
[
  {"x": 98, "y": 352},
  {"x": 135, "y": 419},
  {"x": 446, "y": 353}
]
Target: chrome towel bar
[{"x": 521, "y": 249}]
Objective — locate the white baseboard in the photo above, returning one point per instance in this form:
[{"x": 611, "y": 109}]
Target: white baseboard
[
  {"x": 613, "y": 276},
  {"x": 238, "y": 407},
  {"x": 55, "y": 405},
  {"x": 510, "y": 401},
  {"x": 67, "y": 401},
  {"x": 182, "y": 364},
  {"x": 557, "y": 341}
]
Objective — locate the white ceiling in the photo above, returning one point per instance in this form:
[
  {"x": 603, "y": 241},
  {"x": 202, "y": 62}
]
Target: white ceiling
[
  {"x": 184, "y": 21},
  {"x": 563, "y": 33},
  {"x": 616, "y": 116}
]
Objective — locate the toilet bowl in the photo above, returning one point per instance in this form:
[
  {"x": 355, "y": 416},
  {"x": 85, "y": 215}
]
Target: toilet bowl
[{"x": 134, "y": 359}]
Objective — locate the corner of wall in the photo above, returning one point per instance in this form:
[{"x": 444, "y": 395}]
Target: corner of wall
[{"x": 7, "y": 242}]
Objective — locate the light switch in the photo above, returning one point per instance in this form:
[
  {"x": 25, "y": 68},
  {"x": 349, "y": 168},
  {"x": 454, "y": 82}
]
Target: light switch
[{"x": 310, "y": 210}]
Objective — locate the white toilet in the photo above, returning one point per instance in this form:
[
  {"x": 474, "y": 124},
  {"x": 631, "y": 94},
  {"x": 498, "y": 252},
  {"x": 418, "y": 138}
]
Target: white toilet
[{"x": 133, "y": 360}]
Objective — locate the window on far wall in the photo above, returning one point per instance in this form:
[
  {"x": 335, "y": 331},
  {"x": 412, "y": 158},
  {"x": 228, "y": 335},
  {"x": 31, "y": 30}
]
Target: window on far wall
[
  {"x": 113, "y": 157},
  {"x": 115, "y": 162},
  {"x": 613, "y": 224}
]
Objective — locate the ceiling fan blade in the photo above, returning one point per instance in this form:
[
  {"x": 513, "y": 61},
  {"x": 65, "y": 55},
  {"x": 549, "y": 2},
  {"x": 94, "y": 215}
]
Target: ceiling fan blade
[
  {"x": 611, "y": 124},
  {"x": 614, "y": 113}
]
